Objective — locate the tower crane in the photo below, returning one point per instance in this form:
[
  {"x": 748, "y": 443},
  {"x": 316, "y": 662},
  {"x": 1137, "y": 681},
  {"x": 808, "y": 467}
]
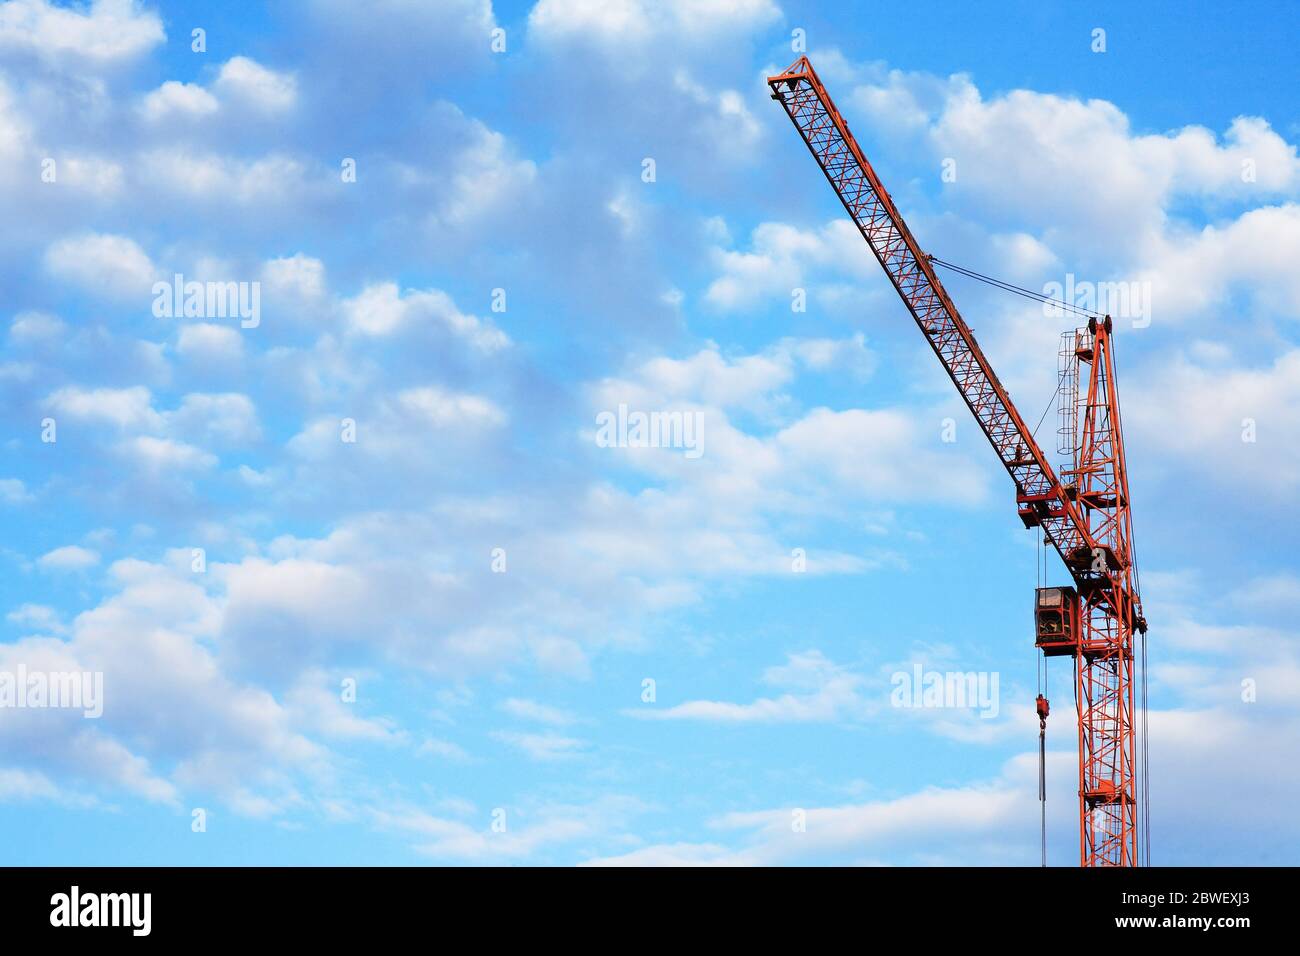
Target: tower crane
[{"x": 1083, "y": 513}]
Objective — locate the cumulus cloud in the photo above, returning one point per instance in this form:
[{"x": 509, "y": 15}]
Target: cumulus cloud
[
  {"x": 123, "y": 408},
  {"x": 14, "y": 492},
  {"x": 248, "y": 82},
  {"x": 102, "y": 263},
  {"x": 383, "y": 310},
  {"x": 171, "y": 718},
  {"x": 70, "y": 557},
  {"x": 622, "y": 23},
  {"x": 1113, "y": 172},
  {"x": 299, "y": 276},
  {"x": 1244, "y": 420},
  {"x": 216, "y": 178},
  {"x": 225, "y": 419},
  {"x": 866, "y": 454},
  {"x": 1201, "y": 273},
  {"x": 487, "y": 177},
  {"x": 165, "y": 456},
  {"x": 36, "y": 328},
  {"x": 441, "y": 409},
  {"x": 227, "y": 681},
  {"x": 105, "y": 32},
  {"x": 38, "y": 616},
  {"x": 782, "y": 259},
  {"x": 209, "y": 342},
  {"x": 174, "y": 98}
]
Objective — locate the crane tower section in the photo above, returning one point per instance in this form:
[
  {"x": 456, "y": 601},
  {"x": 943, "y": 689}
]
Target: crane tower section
[{"x": 1085, "y": 517}]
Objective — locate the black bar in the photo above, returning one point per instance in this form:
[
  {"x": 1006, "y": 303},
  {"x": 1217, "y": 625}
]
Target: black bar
[{"x": 435, "y": 906}]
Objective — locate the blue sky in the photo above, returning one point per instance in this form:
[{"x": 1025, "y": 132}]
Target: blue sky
[{"x": 485, "y": 695}]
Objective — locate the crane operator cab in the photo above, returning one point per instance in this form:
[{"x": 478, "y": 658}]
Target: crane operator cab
[{"x": 1056, "y": 621}]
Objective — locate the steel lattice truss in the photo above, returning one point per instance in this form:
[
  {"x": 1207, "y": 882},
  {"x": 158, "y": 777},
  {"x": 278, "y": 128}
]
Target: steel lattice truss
[
  {"x": 1104, "y": 670},
  {"x": 1082, "y": 521}
]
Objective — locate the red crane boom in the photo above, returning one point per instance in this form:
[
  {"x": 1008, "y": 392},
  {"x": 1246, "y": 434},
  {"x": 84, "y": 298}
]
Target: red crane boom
[{"x": 1085, "y": 518}]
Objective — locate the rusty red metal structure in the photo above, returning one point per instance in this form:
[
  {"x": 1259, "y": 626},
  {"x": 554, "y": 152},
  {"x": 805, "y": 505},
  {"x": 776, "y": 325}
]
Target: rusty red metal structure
[{"x": 1085, "y": 518}]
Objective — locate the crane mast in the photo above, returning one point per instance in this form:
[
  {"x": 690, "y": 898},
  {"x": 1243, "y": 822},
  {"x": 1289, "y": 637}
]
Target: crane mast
[{"x": 1085, "y": 518}]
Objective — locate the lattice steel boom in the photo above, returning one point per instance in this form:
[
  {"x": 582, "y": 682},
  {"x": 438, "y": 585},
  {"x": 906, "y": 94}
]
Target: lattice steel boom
[{"x": 1086, "y": 519}]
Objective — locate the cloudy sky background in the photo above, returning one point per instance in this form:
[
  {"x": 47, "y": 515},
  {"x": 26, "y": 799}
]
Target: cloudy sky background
[{"x": 522, "y": 692}]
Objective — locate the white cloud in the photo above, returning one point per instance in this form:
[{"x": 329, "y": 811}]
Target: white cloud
[
  {"x": 164, "y": 456},
  {"x": 124, "y": 408},
  {"x": 722, "y": 116},
  {"x": 108, "y": 760},
  {"x": 247, "y": 81},
  {"x": 820, "y": 355},
  {"x": 178, "y": 99},
  {"x": 542, "y": 747},
  {"x": 881, "y": 452},
  {"x": 325, "y": 603},
  {"x": 560, "y": 655},
  {"x": 394, "y": 429},
  {"x": 444, "y": 409},
  {"x": 487, "y": 178},
  {"x": 216, "y": 178},
  {"x": 91, "y": 175},
  {"x": 753, "y": 382},
  {"x": 1194, "y": 273},
  {"x": 168, "y": 443},
  {"x": 783, "y": 258},
  {"x": 16, "y": 785},
  {"x": 70, "y": 557},
  {"x": 254, "y": 478},
  {"x": 188, "y": 724},
  {"x": 1245, "y": 420},
  {"x": 38, "y": 616},
  {"x": 621, "y": 24},
  {"x": 821, "y": 690},
  {"x": 210, "y": 342},
  {"x": 982, "y": 823},
  {"x": 31, "y": 328},
  {"x": 1079, "y": 166},
  {"x": 1280, "y": 590},
  {"x": 440, "y": 838},
  {"x": 105, "y": 32},
  {"x": 382, "y": 310},
  {"x": 298, "y": 276},
  {"x": 610, "y": 21},
  {"x": 707, "y": 376},
  {"x": 434, "y": 747},
  {"x": 103, "y": 263},
  {"x": 15, "y": 129},
  {"x": 316, "y": 702},
  {"x": 1090, "y": 145},
  {"x": 675, "y": 855},
  {"x": 14, "y": 492},
  {"x": 758, "y": 479},
  {"x": 540, "y": 713},
  {"x": 228, "y": 419}
]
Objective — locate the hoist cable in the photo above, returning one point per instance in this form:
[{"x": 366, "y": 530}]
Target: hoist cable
[
  {"x": 1042, "y": 784},
  {"x": 1014, "y": 289},
  {"x": 1052, "y": 401},
  {"x": 1146, "y": 763}
]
